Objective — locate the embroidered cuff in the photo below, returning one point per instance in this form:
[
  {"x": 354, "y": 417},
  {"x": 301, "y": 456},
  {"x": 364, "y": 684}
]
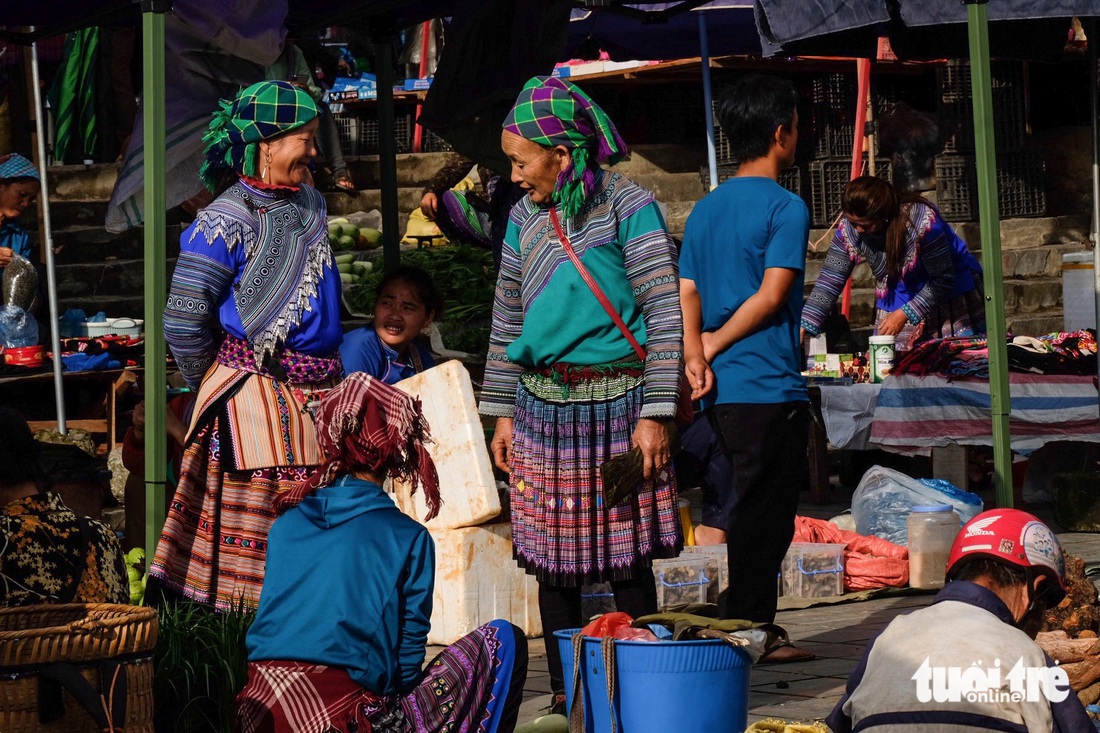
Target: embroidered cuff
[
  {"x": 810, "y": 328},
  {"x": 911, "y": 314},
  {"x": 495, "y": 409}
]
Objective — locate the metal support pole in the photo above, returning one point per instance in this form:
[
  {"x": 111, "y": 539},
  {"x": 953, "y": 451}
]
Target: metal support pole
[
  {"x": 985, "y": 152},
  {"x": 387, "y": 149},
  {"x": 708, "y": 100},
  {"x": 1094, "y": 77},
  {"x": 47, "y": 245},
  {"x": 156, "y": 291}
]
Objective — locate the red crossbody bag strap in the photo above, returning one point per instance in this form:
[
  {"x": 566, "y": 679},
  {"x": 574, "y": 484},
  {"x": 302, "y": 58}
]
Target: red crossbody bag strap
[{"x": 588, "y": 279}]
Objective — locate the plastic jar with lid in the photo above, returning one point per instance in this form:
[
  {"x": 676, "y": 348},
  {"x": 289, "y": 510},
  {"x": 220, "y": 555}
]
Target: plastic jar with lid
[{"x": 932, "y": 531}]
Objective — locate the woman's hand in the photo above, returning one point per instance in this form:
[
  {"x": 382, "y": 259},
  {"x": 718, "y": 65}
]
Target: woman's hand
[
  {"x": 699, "y": 376},
  {"x": 5, "y": 256},
  {"x": 429, "y": 205},
  {"x": 892, "y": 324},
  {"x": 502, "y": 444},
  {"x": 652, "y": 437}
]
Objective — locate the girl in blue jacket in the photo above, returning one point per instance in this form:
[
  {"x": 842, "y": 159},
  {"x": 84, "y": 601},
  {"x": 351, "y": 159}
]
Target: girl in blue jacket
[{"x": 339, "y": 636}]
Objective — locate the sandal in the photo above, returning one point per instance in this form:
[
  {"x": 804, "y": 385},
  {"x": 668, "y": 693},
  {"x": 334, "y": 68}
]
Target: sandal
[
  {"x": 342, "y": 182},
  {"x": 784, "y": 652},
  {"x": 557, "y": 704}
]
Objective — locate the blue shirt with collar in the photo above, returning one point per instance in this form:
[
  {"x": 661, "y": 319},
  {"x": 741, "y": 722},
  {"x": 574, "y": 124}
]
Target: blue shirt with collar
[{"x": 363, "y": 351}]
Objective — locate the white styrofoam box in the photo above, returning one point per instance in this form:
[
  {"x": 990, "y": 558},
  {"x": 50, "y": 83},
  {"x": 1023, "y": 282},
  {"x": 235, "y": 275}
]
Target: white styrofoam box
[
  {"x": 477, "y": 580},
  {"x": 458, "y": 448},
  {"x": 1078, "y": 290}
]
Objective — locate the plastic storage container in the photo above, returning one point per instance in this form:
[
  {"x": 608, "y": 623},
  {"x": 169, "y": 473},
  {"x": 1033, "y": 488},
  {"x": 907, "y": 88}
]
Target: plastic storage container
[
  {"x": 932, "y": 530},
  {"x": 1078, "y": 295},
  {"x": 717, "y": 568},
  {"x": 681, "y": 580},
  {"x": 657, "y": 685},
  {"x": 813, "y": 570},
  {"x": 882, "y": 356}
]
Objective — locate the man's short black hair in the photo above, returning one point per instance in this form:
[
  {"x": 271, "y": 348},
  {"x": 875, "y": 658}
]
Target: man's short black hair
[
  {"x": 750, "y": 110},
  {"x": 999, "y": 573},
  {"x": 18, "y": 451}
]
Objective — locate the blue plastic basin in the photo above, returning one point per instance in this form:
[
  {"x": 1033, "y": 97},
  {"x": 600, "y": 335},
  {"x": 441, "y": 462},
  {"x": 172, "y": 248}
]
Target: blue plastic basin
[{"x": 661, "y": 686}]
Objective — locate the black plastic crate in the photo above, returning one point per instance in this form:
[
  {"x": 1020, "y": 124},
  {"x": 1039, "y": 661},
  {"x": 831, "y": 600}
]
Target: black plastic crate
[
  {"x": 1009, "y": 128},
  {"x": 954, "y": 81},
  {"x": 348, "y": 128},
  {"x": 828, "y": 179},
  {"x": 1021, "y": 186},
  {"x": 432, "y": 143},
  {"x": 834, "y": 90},
  {"x": 789, "y": 178},
  {"x": 368, "y": 133}
]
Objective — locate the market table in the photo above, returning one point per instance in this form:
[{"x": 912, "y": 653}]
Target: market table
[
  {"x": 110, "y": 382},
  {"x": 940, "y": 415},
  {"x": 916, "y": 412}
]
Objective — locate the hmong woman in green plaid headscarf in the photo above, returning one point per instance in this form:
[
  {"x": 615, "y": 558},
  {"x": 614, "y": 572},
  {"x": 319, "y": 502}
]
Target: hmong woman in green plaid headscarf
[
  {"x": 253, "y": 321},
  {"x": 565, "y": 384}
]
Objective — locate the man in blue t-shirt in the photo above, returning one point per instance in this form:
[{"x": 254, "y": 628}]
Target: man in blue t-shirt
[{"x": 741, "y": 283}]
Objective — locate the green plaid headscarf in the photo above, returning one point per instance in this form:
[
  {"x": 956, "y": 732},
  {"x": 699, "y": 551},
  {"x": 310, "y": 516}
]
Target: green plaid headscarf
[
  {"x": 552, "y": 112},
  {"x": 260, "y": 112}
]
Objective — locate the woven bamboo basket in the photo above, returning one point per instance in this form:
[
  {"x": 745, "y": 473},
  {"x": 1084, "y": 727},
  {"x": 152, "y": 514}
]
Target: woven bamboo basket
[{"x": 83, "y": 635}]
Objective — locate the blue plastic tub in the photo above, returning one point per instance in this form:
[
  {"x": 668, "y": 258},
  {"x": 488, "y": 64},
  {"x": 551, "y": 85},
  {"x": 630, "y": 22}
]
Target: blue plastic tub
[{"x": 668, "y": 685}]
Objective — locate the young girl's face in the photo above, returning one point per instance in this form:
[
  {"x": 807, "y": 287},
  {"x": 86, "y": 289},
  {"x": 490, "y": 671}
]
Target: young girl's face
[{"x": 400, "y": 314}]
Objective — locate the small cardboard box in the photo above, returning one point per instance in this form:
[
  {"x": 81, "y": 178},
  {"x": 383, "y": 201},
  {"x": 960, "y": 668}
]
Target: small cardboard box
[{"x": 813, "y": 570}]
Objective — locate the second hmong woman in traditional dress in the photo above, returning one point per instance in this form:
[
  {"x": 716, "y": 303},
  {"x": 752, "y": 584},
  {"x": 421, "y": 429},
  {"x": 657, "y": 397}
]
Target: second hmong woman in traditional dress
[
  {"x": 253, "y": 322},
  {"x": 927, "y": 284},
  {"x": 565, "y": 384}
]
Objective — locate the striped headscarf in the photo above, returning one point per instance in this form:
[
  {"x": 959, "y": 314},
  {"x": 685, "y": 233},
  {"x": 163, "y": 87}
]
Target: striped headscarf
[
  {"x": 552, "y": 112},
  {"x": 14, "y": 165},
  {"x": 365, "y": 422},
  {"x": 260, "y": 112}
]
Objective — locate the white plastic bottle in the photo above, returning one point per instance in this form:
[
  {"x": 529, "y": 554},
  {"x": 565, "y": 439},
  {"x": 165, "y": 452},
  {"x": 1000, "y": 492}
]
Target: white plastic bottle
[{"x": 932, "y": 531}]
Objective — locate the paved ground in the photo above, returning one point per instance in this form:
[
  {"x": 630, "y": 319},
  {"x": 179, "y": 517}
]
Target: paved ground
[{"x": 807, "y": 691}]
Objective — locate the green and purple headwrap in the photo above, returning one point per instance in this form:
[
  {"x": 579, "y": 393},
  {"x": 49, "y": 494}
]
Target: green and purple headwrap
[
  {"x": 552, "y": 112},
  {"x": 260, "y": 112}
]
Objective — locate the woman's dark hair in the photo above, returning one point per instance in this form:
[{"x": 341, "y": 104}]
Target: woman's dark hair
[
  {"x": 875, "y": 199},
  {"x": 421, "y": 282},
  {"x": 750, "y": 110},
  {"x": 18, "y": 451}
]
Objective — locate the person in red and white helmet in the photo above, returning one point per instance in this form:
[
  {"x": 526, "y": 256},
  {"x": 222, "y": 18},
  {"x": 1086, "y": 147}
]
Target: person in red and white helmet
[{"x": 969, "y": 661}]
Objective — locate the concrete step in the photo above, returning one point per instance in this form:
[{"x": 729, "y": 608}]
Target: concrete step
[
  {"x": 1042, "y": 262},
  {"x": 1025, "y": 233},
  {"x": 340, "y": 204},
  {"x": 1026, "y": 298},
  {"x": 82, "y": 284},
  {"x": 1036, "y": 324},
  {"x": 90, "y": 244}
]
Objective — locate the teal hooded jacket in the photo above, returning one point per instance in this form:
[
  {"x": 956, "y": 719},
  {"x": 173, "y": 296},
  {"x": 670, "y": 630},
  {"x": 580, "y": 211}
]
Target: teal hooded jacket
[{"x": 348, "y": 583}]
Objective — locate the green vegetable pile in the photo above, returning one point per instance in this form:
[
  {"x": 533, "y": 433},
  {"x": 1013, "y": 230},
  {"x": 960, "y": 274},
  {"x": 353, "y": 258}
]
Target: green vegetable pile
[{"x": 466, "y": 279}]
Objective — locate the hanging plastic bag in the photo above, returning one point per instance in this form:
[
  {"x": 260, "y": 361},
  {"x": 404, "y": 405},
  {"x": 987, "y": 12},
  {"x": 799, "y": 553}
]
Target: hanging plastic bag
[
  {"x": 884, "y": 498},
  {"x": 17, "y": 327},
  {"x": 20, "y": 282}
]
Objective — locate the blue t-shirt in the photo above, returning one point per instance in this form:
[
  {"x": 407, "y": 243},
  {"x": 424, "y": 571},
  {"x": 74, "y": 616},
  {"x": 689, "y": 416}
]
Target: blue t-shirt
[
  {"x": 741, "y": 228},
  {"x": 363, "y": 351}
]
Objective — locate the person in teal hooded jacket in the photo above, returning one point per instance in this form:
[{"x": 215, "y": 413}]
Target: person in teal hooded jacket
[{"x": 339, "y": 637}]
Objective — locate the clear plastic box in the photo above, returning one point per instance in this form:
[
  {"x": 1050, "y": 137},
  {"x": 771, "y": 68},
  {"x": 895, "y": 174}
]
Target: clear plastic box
[
  {"x": 681, "y": 580},
  {"x": 717, "y": 569},
  {"x": 813, "y": 570}
]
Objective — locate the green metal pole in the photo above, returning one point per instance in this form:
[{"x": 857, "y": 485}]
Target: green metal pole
[
  {"x": 387, "y": 147},
  {"x": 989, "y": 215},
  {"x": 156, "y": 294}
]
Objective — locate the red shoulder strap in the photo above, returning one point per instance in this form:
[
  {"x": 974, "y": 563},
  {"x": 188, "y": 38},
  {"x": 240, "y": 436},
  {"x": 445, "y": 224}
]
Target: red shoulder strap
[{"x": 591, "y": 282}]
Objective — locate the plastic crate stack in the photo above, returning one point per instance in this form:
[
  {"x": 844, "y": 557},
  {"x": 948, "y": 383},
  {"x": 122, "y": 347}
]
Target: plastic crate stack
[
  {"x": 829, "y": 178},
  {"x": 789, "y": 178},
  {"x": 1021, "y": 175},
  {"x": 832, "y": 124},
  {"x": 369, "y": 129}
]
